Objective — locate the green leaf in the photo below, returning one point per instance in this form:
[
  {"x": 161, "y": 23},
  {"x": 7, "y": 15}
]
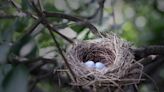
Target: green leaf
[
  {"x": 130, "y": 33},
  {"x": 50, "y": 7},
  {"x": 30, "y": 50},
  {"x": 8, "y": 28},
  {"x": 20, "y": 43},
  {"x": 27, "y": 46},
  {"x": 6, "y": 38},
  {"x": 16, "y": 80},
  {"x": 21, "y": 24},
  {"x": 25, "y": 4},
  {"x": 77, "y": 28},
  {"x": 4, "y": 70},
  {"x": 4, "y": 51}
]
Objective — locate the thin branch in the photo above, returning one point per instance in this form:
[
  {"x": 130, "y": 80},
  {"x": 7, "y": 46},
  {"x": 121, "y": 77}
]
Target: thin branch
[
  {"x": 45, "y": 23},
  {"x": 7, "y": 16},
  {"x": 85, "y": 23},
  {"x": 17, "y": 60},
  {"x": 29, "y": 31},
  {"x": 18, "y": 8},
  {"x": 40, "y": 5},
  {"x": 39, "y": 78},
  {"x": 152, "y": 67},
  {"x": 15, "y": 5},
  {"x": 50, "y": 27},
  {"x": 101, "y": 7},
  {"x": 152, "y": 80},
  {"x": 33, "y": 28},
  {"x": 63, "y": 56},
  {"x": 147, "y": 60},
  {"x": 65, "y": 60},
  {"x": 113, "y": 14},
  {"x": 40, "y": 14}
]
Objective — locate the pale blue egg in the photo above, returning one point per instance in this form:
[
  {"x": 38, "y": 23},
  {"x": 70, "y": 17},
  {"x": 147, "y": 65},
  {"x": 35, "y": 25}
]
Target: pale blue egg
[
  {"x": 99, "y": 65},
  {"x": 90, "y": 64}
]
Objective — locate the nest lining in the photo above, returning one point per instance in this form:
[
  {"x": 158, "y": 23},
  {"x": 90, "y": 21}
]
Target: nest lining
[{"x": 121, "y": 67}]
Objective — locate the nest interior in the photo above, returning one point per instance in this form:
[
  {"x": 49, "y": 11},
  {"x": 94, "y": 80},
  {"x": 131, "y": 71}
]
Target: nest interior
[
  {"x": 96, "y": 53},
  {"x": 114, "y": 53}
]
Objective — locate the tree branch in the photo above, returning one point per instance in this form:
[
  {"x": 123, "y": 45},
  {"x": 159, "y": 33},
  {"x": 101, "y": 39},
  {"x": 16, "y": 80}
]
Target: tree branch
[
  {"x": 150, "y": 50},
  {"x": 85, "y": 23}
]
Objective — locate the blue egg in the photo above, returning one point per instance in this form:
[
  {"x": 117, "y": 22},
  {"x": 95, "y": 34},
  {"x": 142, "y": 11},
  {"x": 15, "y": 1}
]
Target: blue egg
[
  {"x": 90, "y": 64},
  {"x": 99, "y": 65}
]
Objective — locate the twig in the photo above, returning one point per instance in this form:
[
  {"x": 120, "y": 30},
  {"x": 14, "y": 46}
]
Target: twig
[
  {"x": 40, "y": 5},
  {"x": 64, "y": 58},
  {"x": 40, "y": 77},
  {"x": 33, "y": 28},
  {"x": 15, "y": 5},
  {"x": 154, "y": 65},
  {"x": 85, "y": 23},
  {"x": 28, "y": 32},
  {"x": 45, "y": 23},
  {"x": 40, "y": 14},
  {"x": 101, "y": 7},
  {"x": 7, "y": 16},
  {"x": 20, "y": 60},
  {"x": 152, "y": 80},
  {"x": 113, "y": 14},
  {"x": 43, "y": 62},
  {"x": 18, "y": 8},
  {"x": 147, "y": 60}
]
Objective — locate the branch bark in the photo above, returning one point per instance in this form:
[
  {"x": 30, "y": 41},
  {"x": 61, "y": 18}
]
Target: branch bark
[{"x": 150, "y": 50}]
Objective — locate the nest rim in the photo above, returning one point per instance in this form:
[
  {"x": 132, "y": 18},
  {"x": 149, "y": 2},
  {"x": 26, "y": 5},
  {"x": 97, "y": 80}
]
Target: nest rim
[{"x": 117, "y": 68}]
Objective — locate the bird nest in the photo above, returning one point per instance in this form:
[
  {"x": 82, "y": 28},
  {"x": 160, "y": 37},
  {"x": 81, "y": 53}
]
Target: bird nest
[{"x": 120, "y": 66}]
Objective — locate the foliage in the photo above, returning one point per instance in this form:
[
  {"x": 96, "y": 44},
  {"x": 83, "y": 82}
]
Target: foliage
[{"x": 27, "y": 45}]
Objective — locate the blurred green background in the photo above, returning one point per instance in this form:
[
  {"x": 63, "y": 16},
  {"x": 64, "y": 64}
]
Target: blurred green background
[{"x": 138, "y": 21}]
